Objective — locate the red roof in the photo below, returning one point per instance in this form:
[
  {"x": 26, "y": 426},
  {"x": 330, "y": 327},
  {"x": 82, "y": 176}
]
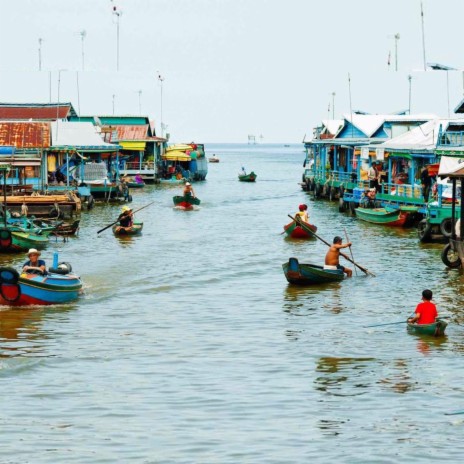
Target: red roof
[
  {"x": 131, "y": 132},
  {"x": 46, "y": 112},
  {"x": 25, "y": 134}
]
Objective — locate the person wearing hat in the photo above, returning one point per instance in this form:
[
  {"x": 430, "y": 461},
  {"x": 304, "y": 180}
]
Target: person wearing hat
[
  {"x": 34, "y": 263},
  {"x": 188, "y": 190},
  {"x": 126, "y": 218},
  {"x": 303, "y": 213}
]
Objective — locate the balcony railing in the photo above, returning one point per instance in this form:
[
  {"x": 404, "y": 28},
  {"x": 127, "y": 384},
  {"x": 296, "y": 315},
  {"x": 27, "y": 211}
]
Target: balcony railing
[{"x": 451, "y": 139}]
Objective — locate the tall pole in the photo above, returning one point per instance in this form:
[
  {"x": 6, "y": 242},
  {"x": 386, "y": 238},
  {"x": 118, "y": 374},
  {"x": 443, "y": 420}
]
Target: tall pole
[
  {"x": 50, "y": 86},
  {"x": 113, "y": 102},
  {"x": 40, "y": 53},
  {"x": 161, "y": 79},
  {"x": 58, "y": 104},
  {"x": 397, "y": 37},
  {"x": 328, "y": 111},
  {"x": 82, "y": 34},
  {"x": 140, "y": 102},
  {"x": 423, "y": 36},
  {"x": 351, "y": 110},
  {"x": 447, "y": 92},
  {"x": 78, "y": 95},
  {"x": 410, "y": 82},
  {"x": 333, "y": 105},
  {"x": 118, "y": 14}
]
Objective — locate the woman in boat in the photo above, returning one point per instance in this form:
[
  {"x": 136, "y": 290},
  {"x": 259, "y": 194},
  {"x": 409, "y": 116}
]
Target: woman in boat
[
  {"x": 138, "y": 178},
  {"x": 332, "y": 258},
  {"x": 303, "y": 213},
  {"x": 188, "y": 190},
  {"x": 34, "y": 263},
  {"x": 426, "y": 312},
  {"x": 126, "y": 218}
]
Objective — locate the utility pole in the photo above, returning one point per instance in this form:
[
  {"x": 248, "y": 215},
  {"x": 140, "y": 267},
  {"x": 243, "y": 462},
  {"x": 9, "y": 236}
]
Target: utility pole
[
  {"x": 397, "y": 37},
  {"x": 161, "y": 80},
  {"x": 423, "y": 35},
  {"x": 410, "y": 84},
  {"x": 114, "y": 96},
  {"x": 82, "y": 34},
  {"x": 118, "y": 15},
  {"x": 333, "y": 105}
]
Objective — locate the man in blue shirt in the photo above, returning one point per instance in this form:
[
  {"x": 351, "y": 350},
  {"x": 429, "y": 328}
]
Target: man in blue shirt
[{"x": 34, "y": 263}]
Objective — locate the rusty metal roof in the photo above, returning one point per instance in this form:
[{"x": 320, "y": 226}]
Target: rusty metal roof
[
  {"x": 129, "y": 132},
  {"x": 37, "y": 111},
  {"x": 25, "y": 134}
]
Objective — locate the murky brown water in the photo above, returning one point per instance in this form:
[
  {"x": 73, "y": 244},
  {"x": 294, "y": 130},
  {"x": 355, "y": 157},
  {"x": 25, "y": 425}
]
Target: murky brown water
[{"x": 189, "y": 346}]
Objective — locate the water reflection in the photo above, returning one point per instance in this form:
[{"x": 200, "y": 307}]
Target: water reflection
[{"x": 399, "y": 380}]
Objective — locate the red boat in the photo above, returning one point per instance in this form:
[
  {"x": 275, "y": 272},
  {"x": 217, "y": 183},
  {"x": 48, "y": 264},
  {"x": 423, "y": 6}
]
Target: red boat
[{"x": 293, "y": 230}]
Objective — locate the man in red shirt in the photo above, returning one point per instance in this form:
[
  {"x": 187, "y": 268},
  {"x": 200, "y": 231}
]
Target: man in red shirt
[{"x": 426, "y": 312}]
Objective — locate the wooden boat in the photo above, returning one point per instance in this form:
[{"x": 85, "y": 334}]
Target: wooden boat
[
  {"x": 436, "y": 329},
  {"x": 59, "y": 227},
  {"x": 135, "y": 229},
  {"x": 294, "y": 230},
  {"x": 383, "y": 216},
  {"x": 310, "y": 274},
  {"x": 14, "y": 240},
  {"x": 58, "y": 285},
  {"x": 173, "y": 181},
  {"x": 247, "y": 177},
  {"x": 186, "y": 201},
  {"x": 46, "y": 205},
  {"x": 213, "y": 159}
]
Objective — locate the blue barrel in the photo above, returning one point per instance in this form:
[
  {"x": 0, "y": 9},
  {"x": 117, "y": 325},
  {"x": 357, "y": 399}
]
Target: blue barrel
[{"x": 7, "y": 150}]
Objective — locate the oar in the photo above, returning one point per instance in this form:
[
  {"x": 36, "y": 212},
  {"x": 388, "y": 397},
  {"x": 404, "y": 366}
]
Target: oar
[
  {"x": 115, "y": 222},
  {"x": 453, "y": 413},
  {"x": 305, "y": 227},
  {"x": 388, "y": 323},
  {"x": 351, "y": 252}
]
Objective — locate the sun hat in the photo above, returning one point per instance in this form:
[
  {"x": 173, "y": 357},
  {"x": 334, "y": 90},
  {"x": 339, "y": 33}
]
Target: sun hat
[
  {"x": 126, "y": 208},
  {"x": 188, "y": 183},
  {"x": 33, "y": 251}
]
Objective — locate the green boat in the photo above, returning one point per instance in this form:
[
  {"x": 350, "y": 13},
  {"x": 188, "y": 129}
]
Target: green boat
[
  {"x": 247, "y": 177},
  {"x": 22, "y": 241},
  {"x": 186, "y": 201},
  {"x": 135, "y": 229},
  {"x": 436, "y": 329},
  {"x": 309, "y": 274},
  {"x": 383, "y": 216}
]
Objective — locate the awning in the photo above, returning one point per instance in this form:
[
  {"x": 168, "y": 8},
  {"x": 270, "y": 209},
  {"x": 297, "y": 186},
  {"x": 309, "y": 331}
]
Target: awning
[
  {"x": 176, "y": 155},
  {"x": 133, "y": 145}
]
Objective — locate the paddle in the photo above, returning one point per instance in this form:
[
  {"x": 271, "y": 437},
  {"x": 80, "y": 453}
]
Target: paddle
[
  {"x": 115, "y": 222},
  {"x": 453, "y": 413},
  {"x": 303, "y": 226},
  {"x": 351, "y": 252},
  {"x": 388, "y": 323}
]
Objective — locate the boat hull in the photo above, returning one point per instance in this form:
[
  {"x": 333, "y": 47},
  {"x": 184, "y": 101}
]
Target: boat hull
[
  {"x": 247, "y": 177},
  {"x": 41, "y": 290},
  {"x": 186, "y": 201},
  {"x": 437, "y": 329},
  {"x": 136, "y": 229},
  {"x": 382, "y": 216},
  {"x": 136, "y": 185},
  {"x": 293, "y": 230},
  {"x": 309, "y": 274}
]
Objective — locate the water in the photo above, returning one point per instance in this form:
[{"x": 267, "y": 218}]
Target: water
[{"x": 190, "y": 346}]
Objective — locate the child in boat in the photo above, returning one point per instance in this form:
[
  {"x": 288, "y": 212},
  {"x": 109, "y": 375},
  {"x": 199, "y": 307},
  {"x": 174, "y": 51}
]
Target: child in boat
[
  {"x": 426, "y": 312},
  {"x": 303, "y": 213}
]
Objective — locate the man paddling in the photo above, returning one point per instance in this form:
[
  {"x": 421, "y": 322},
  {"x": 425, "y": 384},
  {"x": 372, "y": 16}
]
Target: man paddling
[{"x": 332, "y": 258}]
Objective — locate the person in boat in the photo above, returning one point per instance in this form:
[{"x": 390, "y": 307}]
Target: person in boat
[
  {"x": 426, "y": 312},
  {"x": 368, "y": 198},
  {"x": 188, "y": 190},
  {"x": 34, "y": 263},
  {"x": 303, "y": 213},
  {"x": 126, "y": 218},
  {"x": 242, "y": 172},
  {"x": 138, "y": 178},
  {"x": 332, "y": 258}
]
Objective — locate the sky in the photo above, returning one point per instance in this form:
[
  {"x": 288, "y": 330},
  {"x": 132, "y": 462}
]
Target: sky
[{"x": 233, "y": 67}]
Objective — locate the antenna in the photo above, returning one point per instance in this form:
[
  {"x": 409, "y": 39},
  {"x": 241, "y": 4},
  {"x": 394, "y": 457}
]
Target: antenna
[
  {"x": 333, "y": 105},
  {"x": 114, "y": 96},
  {"x": 140, "y": 104},
  {"x": 161, "y": 80},
  {"x": 410, "y": 85},
  {"x": 351, "y": 111},
  {"x": 396, "y": 37},
  {"x": 40, "y": 53},
  {"x": 83, "y": 34},
  {"x": 78, "y": 95},
  {"x": 423, "y": 35}
]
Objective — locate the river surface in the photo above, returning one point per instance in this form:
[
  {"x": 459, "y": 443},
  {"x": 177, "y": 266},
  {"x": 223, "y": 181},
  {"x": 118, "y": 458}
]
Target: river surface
[{"x": 189, "y": 346}]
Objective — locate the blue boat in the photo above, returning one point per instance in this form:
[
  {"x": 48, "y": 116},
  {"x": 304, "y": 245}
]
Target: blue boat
[
  {"x": 58, "y": 285},
  {"x": 310, "y": 274}
]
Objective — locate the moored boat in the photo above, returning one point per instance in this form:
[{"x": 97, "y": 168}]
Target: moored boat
[
  {"x": 173, "y": 181},
  {"x": 294, "y": 230},
  {"x": 57, "y": 286},
  {"x": 251, "y": 177},
  {"x": 186, "y": 201},
  {"x": 383, "y": 216},
  {"x": 135, "y": 185},
  {"x": 135, "y": 229},
  {"x": 436, "y": 329},
  {"x": 13, "y": 240},
  {"x": 310, "y": 274},
  {"x": 214, "y": 159}
]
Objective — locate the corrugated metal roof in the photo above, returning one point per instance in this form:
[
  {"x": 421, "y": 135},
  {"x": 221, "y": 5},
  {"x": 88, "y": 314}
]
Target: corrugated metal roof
[
  {"x": 79, "y": 135},
  {"x": 25, "y": 134},
  {"x": 129, "y": 132},
  {"x": 37, "y": 111}
]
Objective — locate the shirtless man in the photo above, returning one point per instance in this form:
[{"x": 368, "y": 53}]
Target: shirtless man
[{"x": 332, "y": 258}]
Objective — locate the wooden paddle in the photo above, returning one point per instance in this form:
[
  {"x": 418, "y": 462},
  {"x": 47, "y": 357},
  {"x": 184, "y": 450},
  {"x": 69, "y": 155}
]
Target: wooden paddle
[
  {"x": 453, "y": 413},
  {"x": 115, "y": 222},
  {"x": 388, "y": 323},
  {"x": 303, "y": 226},
  {"x": 351, "y": 252}
]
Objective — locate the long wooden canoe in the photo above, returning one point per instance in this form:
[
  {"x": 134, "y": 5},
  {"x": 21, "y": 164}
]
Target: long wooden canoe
[
  {"x": 436, "y": 329},
  {"x": 382, "y": 216},
  {"x": 309, "y": 274},
  {"x": 294, "y": 230}
]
